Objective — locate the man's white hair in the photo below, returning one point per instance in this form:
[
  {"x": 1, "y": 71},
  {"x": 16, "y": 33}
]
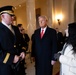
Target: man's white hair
[{"x": 43, "y": 17}]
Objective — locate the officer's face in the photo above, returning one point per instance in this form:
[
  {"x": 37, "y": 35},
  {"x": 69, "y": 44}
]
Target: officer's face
[{"x": 7, "y": 18}]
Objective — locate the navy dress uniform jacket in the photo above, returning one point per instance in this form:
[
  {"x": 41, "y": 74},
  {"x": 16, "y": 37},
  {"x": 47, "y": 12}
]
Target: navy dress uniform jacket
[
  {"x": 7, "y": 49},
  {"x": 43, "y": 50}
]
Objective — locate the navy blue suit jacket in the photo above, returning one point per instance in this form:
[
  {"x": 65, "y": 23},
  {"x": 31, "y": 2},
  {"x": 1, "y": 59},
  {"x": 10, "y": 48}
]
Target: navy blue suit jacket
[{"x": 10, "y": 45}]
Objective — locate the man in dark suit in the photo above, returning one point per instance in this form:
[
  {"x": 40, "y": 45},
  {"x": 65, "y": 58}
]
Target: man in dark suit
[
  {"x": 25, "y": 35},
  {"x": 60, "y": 39},
  {"x": 25, "y": 38},
  {"x": 44, "y": 47},
  {"x": 8, "y": 42}
]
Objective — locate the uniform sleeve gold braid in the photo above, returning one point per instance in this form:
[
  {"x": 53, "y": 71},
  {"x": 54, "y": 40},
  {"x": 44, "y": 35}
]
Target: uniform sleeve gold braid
[{"x": 6, "y": 58}]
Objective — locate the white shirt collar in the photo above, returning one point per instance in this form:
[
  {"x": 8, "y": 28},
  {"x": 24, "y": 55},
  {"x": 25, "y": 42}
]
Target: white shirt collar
[
  {"x": 8, "y": 26},
  {"x": 44, "y": 29}
]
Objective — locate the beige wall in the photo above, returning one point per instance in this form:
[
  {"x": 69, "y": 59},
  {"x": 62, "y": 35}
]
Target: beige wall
[
  {"x": 21, "y": 16},
  {"x": 43, "y": 5},
  {"x": 21, "y": 12},
  {"x": 66, "y": 8},
  {"x": 59, "y": 6}
]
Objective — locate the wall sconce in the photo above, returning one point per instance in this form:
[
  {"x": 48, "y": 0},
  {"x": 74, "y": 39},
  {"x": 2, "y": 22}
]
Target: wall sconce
[
  {"x": 59, "y": 18},
  {"x": 58, "y": 21}
]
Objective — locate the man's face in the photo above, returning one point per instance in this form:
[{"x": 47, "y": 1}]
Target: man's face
[
  {"x": 42, "y": 22},
  {"x": 20, "y": 28},
  {"x": 22, "y": 31},
  {"x": 66, "y": 32},
  {"x": 7, "y": 18}
]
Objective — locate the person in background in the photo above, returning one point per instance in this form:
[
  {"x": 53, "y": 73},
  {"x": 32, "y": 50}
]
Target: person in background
[
  {"x": 44, "y": 47},
  {"x": 25, "y": 35},
  {"x": 60, "y": 39},
  {"x": 26, "y": 39},
  {"x": 9, "y": 41},
  {"x": 67, "y": 57},
  {"x": 19, "y": 45},
  {"x": 66, "y": 35}
]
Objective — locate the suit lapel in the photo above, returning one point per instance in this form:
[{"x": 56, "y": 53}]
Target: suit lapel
[{"x": 39, "y": 35}]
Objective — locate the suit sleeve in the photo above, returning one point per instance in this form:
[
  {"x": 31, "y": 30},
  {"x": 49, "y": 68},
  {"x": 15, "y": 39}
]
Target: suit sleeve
[
  {"x": 7, "y": 58},
  {"x": 7, "y": 50},
  {"x": 27, "y": 39},
  {"x": 54, "y": 44},
  {"x": 33, "y": 46}
]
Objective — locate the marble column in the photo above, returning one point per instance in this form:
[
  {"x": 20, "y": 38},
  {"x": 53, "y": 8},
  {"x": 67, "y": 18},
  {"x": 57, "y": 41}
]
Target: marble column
[
  {"x": 73, "y": 9},
  {"x": 50, "y": 12},
  {"x": 31, "y": 19}
]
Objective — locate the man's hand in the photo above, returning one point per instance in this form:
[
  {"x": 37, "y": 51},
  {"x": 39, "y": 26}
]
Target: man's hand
[
  {"x": 22, "y": 55},
  {"x": 16, "y": 59},
  {"x": 53, "y": 62}
]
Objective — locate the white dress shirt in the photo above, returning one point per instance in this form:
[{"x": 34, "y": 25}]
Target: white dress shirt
[{"x": 43, "y": 29}]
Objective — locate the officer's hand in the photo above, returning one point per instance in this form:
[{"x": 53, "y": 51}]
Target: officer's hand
[
  {"x": 16, "y": 59},
  {"x": 22, "y": 55}
]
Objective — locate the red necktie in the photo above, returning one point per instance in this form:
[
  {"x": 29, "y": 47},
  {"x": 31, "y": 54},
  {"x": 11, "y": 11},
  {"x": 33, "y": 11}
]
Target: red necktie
[{"x": 42, "y": 33}]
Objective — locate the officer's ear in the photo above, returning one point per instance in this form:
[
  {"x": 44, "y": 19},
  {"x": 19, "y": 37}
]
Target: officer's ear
[{"x": 2, "y": 15}]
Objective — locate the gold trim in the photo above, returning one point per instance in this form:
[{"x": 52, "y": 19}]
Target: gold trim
[
  {"x": 6, "y": 58},
  {"x": 9, "y": 12}
]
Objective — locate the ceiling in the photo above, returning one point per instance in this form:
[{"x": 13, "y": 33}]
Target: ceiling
[{"x": 11, "y": 2}]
